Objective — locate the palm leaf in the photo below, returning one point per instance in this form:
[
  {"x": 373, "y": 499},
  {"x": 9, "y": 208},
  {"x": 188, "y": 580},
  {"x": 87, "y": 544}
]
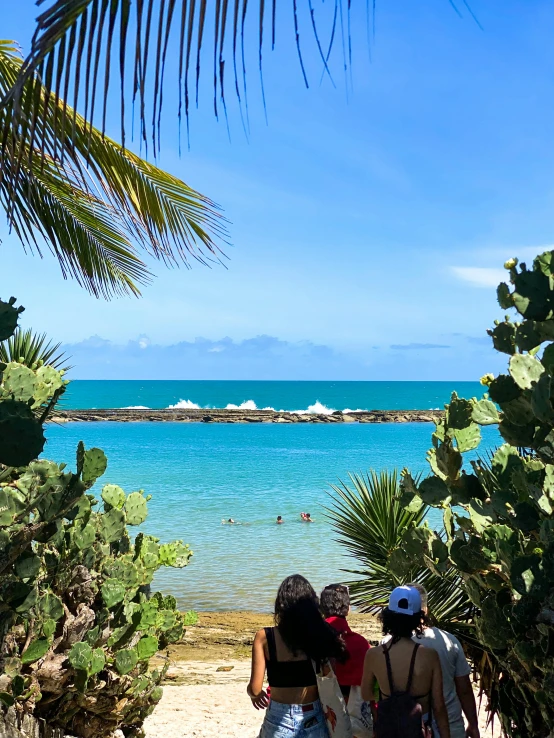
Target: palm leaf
[
  {"x": 89, "y": 45},
  {"x": 134, "y": 38},
  {"x": 371, "y": 522},
  {"x": 29, "y": 348},
  {"x": 93, "y": 202}
]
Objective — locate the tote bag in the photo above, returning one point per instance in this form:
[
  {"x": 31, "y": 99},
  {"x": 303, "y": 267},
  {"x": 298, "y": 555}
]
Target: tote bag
[
  {"x": 360, "y": 714},
  {"x": 332, "y": 702}
]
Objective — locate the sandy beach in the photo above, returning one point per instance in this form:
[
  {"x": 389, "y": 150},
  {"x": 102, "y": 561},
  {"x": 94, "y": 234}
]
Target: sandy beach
[{"x": 205, "y": 690}]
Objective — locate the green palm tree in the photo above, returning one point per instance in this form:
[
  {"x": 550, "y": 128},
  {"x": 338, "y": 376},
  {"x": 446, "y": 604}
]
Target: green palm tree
[
  {"x": 370, "y": 521},
  {"x": 93, "y": 202}
]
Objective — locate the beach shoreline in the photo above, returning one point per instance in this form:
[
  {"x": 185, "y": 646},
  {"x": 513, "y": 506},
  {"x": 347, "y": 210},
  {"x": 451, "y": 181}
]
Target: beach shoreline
[{"x": 175, "y": 415}]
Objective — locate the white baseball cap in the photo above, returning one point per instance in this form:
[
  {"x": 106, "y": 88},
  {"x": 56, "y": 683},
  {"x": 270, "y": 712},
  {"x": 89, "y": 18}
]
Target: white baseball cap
[{"x": 405, "y": 601}]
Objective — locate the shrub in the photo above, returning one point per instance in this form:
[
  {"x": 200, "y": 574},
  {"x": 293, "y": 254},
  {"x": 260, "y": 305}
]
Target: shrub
[
  {"x": 499, "y": 514},
  {"x": 78, "y": 624}
]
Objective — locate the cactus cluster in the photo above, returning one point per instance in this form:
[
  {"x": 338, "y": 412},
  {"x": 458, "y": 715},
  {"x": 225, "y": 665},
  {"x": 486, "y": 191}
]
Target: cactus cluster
[
  {"x": 499, "y": 512},
  {"x": 78, "y": 624},
  {"x": 27, "y": 394}
]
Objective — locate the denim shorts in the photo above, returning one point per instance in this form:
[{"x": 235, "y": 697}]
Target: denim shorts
[{"x": 294, "y": 721}]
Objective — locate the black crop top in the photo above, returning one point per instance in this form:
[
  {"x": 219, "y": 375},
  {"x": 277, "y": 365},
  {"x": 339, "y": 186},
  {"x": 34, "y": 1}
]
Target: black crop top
[{"x": 287, "y": 673}]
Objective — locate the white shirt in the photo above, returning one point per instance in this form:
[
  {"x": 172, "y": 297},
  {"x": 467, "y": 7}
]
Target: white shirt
[{"x": 453, "y": 664}]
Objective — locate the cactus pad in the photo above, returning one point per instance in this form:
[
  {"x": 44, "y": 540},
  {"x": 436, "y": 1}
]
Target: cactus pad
[
  {"x": 21, "y": 435},
  {"x": 19, "y": 382},
  {"x": 525, "y": 370},
  {"x": 94, "y": 465},
  {"x": 126, "y": 660},
  {"x": 135, "y": 508},
  {"x": 113, "y": 496},
  {"x": 9, "y": 315}
]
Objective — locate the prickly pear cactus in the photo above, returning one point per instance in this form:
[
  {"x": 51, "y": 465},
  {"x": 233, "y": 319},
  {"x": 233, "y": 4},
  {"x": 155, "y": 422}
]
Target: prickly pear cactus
[
  {"x": 499, "y": 514},
  {"x": 78, "y": 625},
  {"x": 27, "y": 395},
  {"x": 9, "y": 315}
]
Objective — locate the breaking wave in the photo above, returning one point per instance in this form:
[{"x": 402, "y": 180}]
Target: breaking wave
[
  {"x": 318, "y": 408},
  {"x": 184, "y": 405},
  {"x": 247, "y": 405}
]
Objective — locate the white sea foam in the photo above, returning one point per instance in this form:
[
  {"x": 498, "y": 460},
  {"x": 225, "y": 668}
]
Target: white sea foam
[
  {"x": 246, "y": 405},
  {"x": 136, "y": 407},
  {"x": 358, "y": 410},
  {"x": 317, "y": 408},
  {"x": 184, "y": 405}
]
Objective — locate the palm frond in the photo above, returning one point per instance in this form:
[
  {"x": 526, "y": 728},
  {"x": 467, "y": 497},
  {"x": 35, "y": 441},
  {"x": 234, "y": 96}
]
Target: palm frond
[
  {"x": 92, "y": 201},
  {"x": 29, "y": 348},
  {"x": 371, "y": 522},
  {"x": 133, "y": 39}
]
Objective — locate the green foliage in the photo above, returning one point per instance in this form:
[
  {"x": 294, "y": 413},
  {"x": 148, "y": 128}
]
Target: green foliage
[
  {"x": 94, "y": 202},
  {"x": 500, "y": 537},
  {"x": 372, "y": 522},
  {"x": 29, "y": 391},
  {"x": 9, "y": 315},
  {"x": 77, "y": 622}
]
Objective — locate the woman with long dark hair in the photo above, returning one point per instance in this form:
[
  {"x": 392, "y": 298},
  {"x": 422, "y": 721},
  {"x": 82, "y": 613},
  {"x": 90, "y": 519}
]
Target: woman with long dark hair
[
  {"x": 408, "y": 674},
  {"x": 299, "y": 637}
]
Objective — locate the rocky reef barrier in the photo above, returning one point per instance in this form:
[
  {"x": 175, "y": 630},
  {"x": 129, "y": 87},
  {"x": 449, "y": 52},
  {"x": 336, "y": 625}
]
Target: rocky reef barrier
[{"x": 245, "y": 416}]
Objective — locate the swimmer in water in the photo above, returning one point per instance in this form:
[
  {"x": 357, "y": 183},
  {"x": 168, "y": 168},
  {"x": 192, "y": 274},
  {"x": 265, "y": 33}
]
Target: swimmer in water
[
  {"x": 308, "y": 519},
  {"x": 280, "y": 520},
  {"x": 225, "y": 522},
  {"x": 303, "y": 516}
]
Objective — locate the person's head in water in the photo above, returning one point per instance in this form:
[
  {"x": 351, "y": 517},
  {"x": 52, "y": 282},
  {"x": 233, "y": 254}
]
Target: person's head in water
[
  {"x": 279, "y": 519},
  {"x": 404, "y": 615},
  {"x": 230, "y": 520},
  {"x": 335, "y": 601},
  {"x": 308, "y": 519},
  {"x": 300, "y": 623}
]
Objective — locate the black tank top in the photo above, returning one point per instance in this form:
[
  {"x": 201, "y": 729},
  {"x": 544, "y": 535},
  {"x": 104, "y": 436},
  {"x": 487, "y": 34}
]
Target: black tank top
[{"x": 287, "y": 673}]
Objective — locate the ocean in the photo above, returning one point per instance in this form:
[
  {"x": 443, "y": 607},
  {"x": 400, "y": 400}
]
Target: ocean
[
  {"x": 200, "y": 474},
  {"x": 319, "y": 397}
]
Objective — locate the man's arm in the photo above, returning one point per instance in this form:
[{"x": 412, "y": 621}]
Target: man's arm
[{"x": 466, "y": 695}]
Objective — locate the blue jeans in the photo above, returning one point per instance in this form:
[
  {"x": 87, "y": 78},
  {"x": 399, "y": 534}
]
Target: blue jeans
[{"x": 291, "y": 721}]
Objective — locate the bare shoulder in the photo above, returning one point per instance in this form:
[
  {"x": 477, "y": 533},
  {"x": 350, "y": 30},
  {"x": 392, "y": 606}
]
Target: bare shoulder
[
  {"x": 373, "y": 654},
  {"x": 260, "y": 636}
]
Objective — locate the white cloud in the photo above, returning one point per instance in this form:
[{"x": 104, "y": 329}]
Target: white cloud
[{"x": 480, "y": 276}]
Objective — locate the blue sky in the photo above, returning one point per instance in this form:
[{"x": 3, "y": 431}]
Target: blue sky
[{"x": 372, "y": 224}]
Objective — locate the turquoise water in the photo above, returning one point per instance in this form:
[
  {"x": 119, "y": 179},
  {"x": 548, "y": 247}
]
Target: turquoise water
[
  {"x": 199, "y": 474},
  {"x": 319, "y": 396}
]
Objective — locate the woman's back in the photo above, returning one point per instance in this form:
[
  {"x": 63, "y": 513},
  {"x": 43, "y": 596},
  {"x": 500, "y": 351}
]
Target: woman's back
[
  {"x": 400, "y": 656},
  {"x": 290, "y": 676},
  {"x": 286, "y": 652}
]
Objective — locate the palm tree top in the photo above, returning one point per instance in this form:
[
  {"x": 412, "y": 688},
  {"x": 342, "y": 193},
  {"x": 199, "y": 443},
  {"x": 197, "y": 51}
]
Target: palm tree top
[
  {"x": 86, "y": 45},
  {"x": 93, "y": 202}
]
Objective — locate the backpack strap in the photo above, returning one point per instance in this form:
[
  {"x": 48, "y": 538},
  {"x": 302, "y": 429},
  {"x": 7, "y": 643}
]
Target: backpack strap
[
  {"x": 412, "y": 665},
  {"x": 271, "y": 646},
  {"x": 389, "y": 668}
]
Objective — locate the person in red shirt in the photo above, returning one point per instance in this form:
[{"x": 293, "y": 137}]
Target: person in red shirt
[{"x": 335, "y": 606}]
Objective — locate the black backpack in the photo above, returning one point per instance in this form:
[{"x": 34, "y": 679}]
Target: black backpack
[{"x": 400, "y": 715}]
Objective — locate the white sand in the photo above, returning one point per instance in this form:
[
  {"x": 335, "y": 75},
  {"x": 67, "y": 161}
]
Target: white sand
[{"x": 214, "y": 704}]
